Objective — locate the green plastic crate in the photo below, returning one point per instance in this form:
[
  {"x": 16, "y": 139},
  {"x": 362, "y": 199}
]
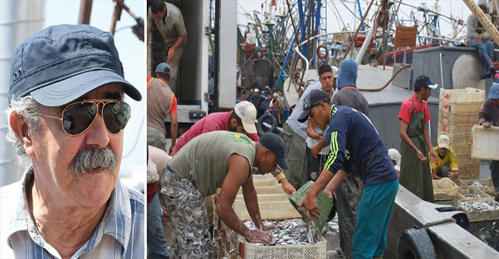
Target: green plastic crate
[{"x": 324, "y": 203}]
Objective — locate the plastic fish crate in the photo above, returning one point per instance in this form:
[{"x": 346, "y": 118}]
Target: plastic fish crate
[
  {"x": 460, "y": 140},
  {"x": 264, "y": 181},
  {"x": 485, "y": 142},
  {"x": 268, "y": 210},
  {"x": 266, "y": 197},
  {"x": 234, "y": 246},
  {"x": 466, "y": 160},
  {"x": 461, "y": 150},
  {"x": 456, "y": 129},
  {"x": 469, "y": 172},
  {"x": 315, "y": 251},
  {"x": 276, "y": 189},
  {"x": 324, "y": 203},
  {"x": 468, "y": 95},
  {"x": 464, "y": 190},
  {"x": 460, "y": 108},
  {"x": 262, "y": 177},
  {"x": 487, "y": 185},
  {"x": 445, "y": 189},
  {"x": 482, "y": 215},
  {"x": 451, "y": 118}
]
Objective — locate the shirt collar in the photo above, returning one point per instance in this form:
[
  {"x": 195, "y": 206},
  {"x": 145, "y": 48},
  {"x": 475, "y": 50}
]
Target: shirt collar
[{"x": 115, "y": 223}]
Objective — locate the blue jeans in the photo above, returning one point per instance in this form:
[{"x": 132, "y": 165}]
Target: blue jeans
[
  {"x": 156, "y": 241},
  {"x": 484, "y": 47}
]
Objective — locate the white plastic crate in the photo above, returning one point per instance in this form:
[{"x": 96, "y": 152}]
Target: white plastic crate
[
  {"x": 484, "y": 184},
  {"x": 268, "y": 210},
  {"x": 459, "y": 140},
  {"x": 485, "y": 143},
  {"x": 461, "y": 150},
  {"x": 456, "y": 129},
  {"x": 466, "y": 160},
  {"x": 466, "y": 190},
  {"x": 315, "y": 251},
  {"x": 451, "y": 118},
  {"x": 445, "y": 189},
  {"x": 468, "y": 172},
  {"x": 481, "y": 215},
  {"x": 460, "y": 108},
  {"x": 468, "y": 95}
]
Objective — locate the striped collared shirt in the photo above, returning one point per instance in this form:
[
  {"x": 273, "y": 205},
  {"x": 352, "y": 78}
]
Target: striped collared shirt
[{"x": 120, "y": 234}]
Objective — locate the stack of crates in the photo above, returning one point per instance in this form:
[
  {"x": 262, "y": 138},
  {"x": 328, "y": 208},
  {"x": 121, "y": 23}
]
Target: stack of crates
[
  {"x": 458, "y": 112},
  {"x": 274, "y": 205}
]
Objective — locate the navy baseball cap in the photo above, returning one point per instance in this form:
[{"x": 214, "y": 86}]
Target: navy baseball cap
[
  {"x": 276, "y": 145},
  {"x": 164, "y": 69},
  {"x": 314, "y": 98},
  {"x": 62, "y": 63},
  {"x": 424, "y": 81}
]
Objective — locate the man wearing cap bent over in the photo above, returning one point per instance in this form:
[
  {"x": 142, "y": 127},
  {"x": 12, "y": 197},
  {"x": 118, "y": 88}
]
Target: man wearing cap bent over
[
  {"x": 489, "y": 117},
  {"x": 67, "y": 116},
  {"x": 219, "y": 159},
  {"x": 415, "y": 172},
  {"x": 446, "y": 165},
  {"x": 355, "y": 143},
  {"x": 161, "y": 102},
  {"x": 241, "y": 120}
]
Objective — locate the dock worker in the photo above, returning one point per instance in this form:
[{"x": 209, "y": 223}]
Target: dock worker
[
  {"x": 161, "y": 103},
  {"x": 294, "y": 132},
  {"x": 219, "y": 159},
  {"x": 240, "y": 120},
  {"x": 446, "y": 165},
  {"x": 66, "y": 117},
  {"x": 354, "y": 142},
  {"x": 489, "y": 117},
  {"x": 170, "y": 24},
  {"x": 415, "y": 172},
  {"x": 479, "y": 38}
]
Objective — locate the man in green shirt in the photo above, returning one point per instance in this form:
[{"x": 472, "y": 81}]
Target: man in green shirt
[{"x": 218, "y": 159}]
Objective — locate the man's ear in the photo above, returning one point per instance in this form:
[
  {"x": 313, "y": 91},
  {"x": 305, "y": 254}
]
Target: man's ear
[
  {"x": 232, "y": 123},
  {"x": 20, "y": 128}
]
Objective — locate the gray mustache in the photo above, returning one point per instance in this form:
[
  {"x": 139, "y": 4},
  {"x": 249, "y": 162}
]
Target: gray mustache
[{"x": 90, "y": 159}]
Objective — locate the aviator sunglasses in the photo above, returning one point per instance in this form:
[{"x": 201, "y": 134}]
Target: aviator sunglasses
[{"x": 79, "y": 116}]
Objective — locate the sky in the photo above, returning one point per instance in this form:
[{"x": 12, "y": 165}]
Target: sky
[
  {"x": 132, "y": 55},
  {"x": 451, "y": 8}
]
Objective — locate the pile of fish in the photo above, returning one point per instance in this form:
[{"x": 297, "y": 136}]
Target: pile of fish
[
  {"x": 293, "y": 232},
  {"x": 477, "y": 183},
  {"x": 472, "y": 196},
  {"x": 479, "y": 205}
]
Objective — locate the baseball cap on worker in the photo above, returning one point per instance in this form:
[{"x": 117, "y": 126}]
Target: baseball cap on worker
[
  {"x": 314, "y": 98},
  {"x": 62, "y": 63},
  {"x": 164, "y": 69},
  {"x": 443, "y": 141},
  {"x": 494, "y": 91},
  {"x": 424, "y": 81},
  {"x": 247, "y": 112},
  {"x": 335, "y": 71},
  {"x": 276, "y": 145}
]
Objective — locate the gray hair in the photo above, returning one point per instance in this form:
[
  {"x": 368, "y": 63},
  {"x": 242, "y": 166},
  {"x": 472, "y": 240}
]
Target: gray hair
[{"x": 25, "y": 107}]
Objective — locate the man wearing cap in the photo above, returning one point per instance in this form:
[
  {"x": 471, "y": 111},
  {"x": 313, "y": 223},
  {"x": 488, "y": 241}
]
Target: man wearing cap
[
  {"x": 446, "y": 165},
  {"x": 161, "y": 102},
  {"x": 489, "y": 116},
  {"x": 415, "y": 172},
  {"x": 241, "y": 120},
  {"x": 256, "y": 99},
  {"x": 349, "y": 193},
  {"x": 195, "y": 172},
  {"x": 67, "y": 115},
  {"x": 170, "y": 23},
  {"x": 479, "y": 38},
  {"x": 354, "y": 143}
]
